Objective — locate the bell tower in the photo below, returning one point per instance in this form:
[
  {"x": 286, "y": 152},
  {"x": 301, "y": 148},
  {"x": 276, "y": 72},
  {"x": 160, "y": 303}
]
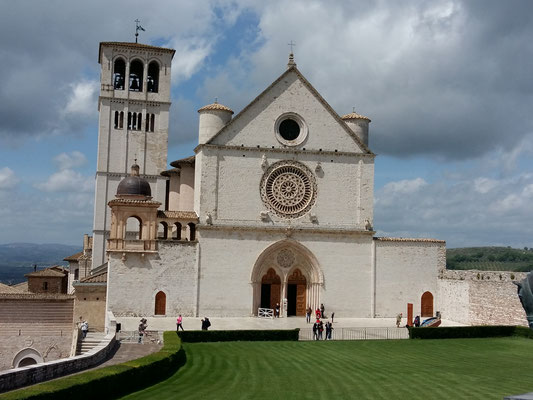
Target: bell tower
[{"x": 133, "y": 108}]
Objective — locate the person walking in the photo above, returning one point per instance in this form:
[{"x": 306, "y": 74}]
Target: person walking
[
  {"x": 308, "y": 312},
  {"x": 320, "y": 330},
  {"x": 277, "y": 310},
  {"x": 322, "y": 310},
  {"x": 179, "y": 323},
  {"x": 84, "y": 329},
  {"x": 205, "y": 324},
  {"x": 398, "y": 320},
  {"x": 329, "y": 328},
  {"x": 142, "y": 329},
  {"x": 316, "y": 325}
]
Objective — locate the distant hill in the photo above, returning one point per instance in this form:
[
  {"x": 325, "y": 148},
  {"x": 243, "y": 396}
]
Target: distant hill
[
  {"x": 17, "y": 259},
  {"x": 490, "y": 259}
]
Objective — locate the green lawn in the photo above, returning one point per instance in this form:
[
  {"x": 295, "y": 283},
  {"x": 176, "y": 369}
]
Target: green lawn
[{"x": 395, "y": 369}]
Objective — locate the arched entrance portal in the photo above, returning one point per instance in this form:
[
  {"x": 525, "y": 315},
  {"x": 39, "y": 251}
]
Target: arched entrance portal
[
  {"x": 270, "y": 289},
  {"x": 288, "y": 273}
]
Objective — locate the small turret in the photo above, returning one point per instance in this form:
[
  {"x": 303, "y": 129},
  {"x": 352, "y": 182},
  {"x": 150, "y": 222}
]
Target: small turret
[
  {"x": 358, "y": 124},
  {"x": 213, "y": 118}
]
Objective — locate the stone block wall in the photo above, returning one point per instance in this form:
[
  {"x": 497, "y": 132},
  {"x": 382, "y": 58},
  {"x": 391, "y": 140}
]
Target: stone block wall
[
  {"x": 90, "y": 305},
  {"x": 481, "y": 297},
  {"x": 37, "y": 324},
  {"x": 134, "y": 280},
  {"x": 405, "y": 270}
]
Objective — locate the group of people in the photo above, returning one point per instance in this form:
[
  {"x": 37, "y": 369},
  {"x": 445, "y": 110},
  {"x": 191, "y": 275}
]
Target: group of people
[
  {"x": 416, "y": 321},
  {"x": 319, "y": 313},
  {"x": 318, "y": 330}
]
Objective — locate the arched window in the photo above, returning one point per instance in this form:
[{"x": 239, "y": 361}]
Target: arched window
[
  {"x": 177, "y": 234},
  {"x": 192, "y": 231},
  {"x": 426, "y": 305},
  {"x": 163, "y": 230},
  {"x": 152, "y": 80},
  {"x": 117, "y": 116},
  {"x": 45, "y": 286},
  {"x": 147, "y": 127},
  {"x": 136, "y": 76},
  {"x": 121, "y": 120},
  {"x": 119, "y": 72},
  {"x": 139, "y": 122},
  {"x": 152, "y": 122},
  {"x": 134, "y": 122},
  {"x": 129, "y": 120},
  {"x": 134, "y": 227},
  {"x": 160, "y": 303}
]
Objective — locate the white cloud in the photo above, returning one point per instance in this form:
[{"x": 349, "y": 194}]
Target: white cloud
[
  {"x": 484, "y": 185},
  {"x": 82, "y": 98},
  {"x": 404, "y": 186},
  {"x": 75, "y": 159},
  {"x": 8, "y": 179},
  {"x": 67, "y": 180},
  {"x": 190, "y": 54}
]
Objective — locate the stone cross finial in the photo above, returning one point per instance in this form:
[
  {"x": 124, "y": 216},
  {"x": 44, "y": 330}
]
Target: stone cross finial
[{"x": 291, "y": 55}]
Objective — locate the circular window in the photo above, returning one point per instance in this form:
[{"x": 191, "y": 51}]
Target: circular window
[
  {"x": 288, "y": 188},
  {"x": 290, "y": 129}
]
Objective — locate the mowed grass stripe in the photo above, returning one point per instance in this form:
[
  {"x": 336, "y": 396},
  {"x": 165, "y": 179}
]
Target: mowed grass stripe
[{"x": 437, "y": 369}]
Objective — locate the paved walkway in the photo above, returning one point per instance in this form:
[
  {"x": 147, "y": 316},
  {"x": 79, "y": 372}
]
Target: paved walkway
[
  {"x": 130, "y": 351},
  {"x": 189, "y": 323}
]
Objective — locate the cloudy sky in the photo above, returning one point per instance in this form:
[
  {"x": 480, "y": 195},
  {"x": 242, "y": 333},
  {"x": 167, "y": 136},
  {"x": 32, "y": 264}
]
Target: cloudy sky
[{"x": 448, "y": 86}]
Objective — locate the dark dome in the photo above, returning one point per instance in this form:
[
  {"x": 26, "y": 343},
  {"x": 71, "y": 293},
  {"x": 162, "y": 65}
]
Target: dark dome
[{"x": 134, "y": 186}]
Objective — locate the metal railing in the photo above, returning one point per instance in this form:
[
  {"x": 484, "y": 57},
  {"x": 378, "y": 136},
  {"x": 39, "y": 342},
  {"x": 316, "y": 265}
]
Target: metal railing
[
  {"x": 265, "y": 313},
  {"x": 358, "y": 334}
]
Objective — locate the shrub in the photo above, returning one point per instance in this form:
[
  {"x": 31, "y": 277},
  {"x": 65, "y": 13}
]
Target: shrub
[
  {"x": 113, "y": 381},
  {"x": 239, "y": 335},
  {"x": 454, "y": 332}
]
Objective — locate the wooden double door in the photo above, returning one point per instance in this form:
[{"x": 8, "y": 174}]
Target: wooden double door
[{"x": 296, "y": 292}]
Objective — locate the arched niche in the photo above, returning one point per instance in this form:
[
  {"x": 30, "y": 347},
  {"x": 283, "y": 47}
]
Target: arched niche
[{"x": 26, "y": 357}]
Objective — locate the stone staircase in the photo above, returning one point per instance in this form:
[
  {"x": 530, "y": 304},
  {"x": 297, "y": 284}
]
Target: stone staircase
[{"x": 92, "y": 340}]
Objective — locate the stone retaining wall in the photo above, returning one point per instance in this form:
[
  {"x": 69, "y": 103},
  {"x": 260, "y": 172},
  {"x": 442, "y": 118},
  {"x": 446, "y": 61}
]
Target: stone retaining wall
[
  {"x": 481, "y": 297},
  {"x": 19, "y": 377}
]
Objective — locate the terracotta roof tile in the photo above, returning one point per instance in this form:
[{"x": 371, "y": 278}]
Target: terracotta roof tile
[
  {"x": 132, "y": 45},
  {"x": 177, "y": 214},
  {"x": 73, "y": 257},
  {"x": 215, "y": 106},
  {"x": 51, "y": 272},
  {"x": 391, "y": 239},
  {"x": 10, "y": 289},
  {"x": 354, "y": 115},
  {"x": 186, "y": 160},
  {"x": 96, "y": 278}
]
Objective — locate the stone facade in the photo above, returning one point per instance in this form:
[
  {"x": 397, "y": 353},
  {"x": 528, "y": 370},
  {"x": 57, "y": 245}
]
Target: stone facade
[
  {"x": 481, "y": 297},
  {"x": 35, "y": 328},
  {"x": 282, "y": 202},
  {"x": 121, "y": 138}
]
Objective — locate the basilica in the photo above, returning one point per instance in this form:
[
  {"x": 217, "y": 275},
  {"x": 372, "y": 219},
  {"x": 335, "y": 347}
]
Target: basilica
[{"x": 275, "y": 205}]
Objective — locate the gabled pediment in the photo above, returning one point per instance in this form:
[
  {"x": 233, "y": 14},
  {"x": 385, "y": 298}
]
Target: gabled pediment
[{"x": 290, "y": 96}]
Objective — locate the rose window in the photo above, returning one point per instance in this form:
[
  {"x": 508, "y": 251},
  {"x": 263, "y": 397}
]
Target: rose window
[{"x": 288, "y": 188}]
